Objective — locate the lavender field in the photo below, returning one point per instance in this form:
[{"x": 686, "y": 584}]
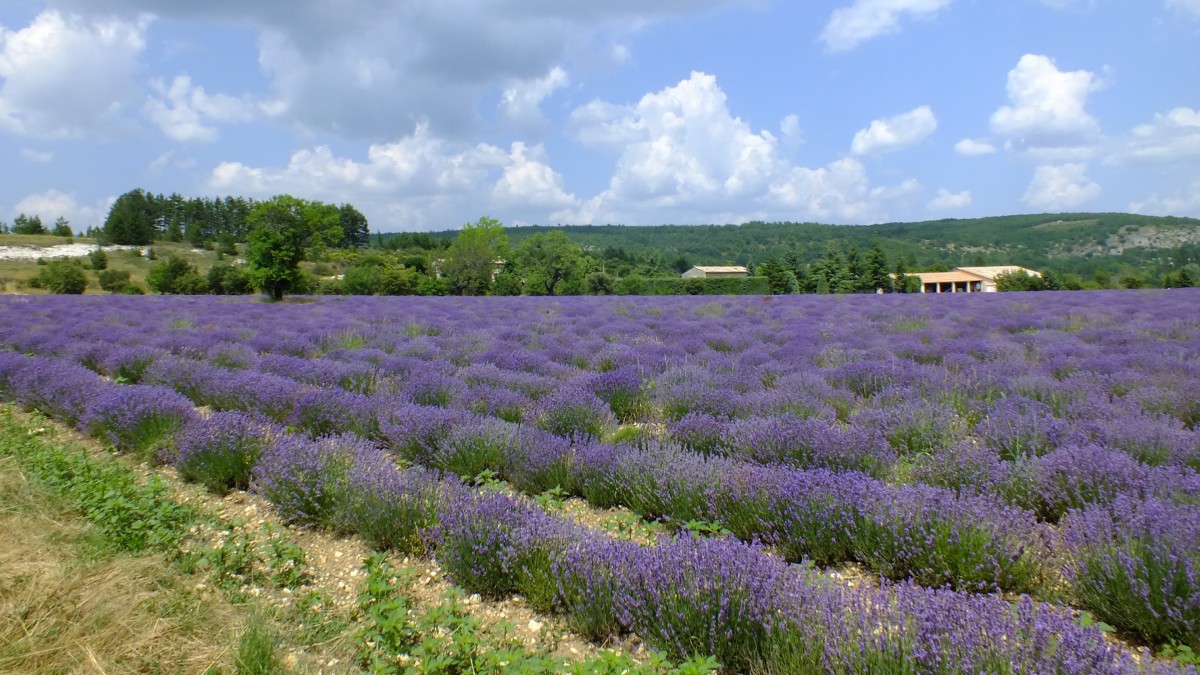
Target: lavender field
[{"x": 1018, "y": 470}]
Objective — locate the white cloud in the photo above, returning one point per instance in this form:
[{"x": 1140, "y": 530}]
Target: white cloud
[
  {"x": 185, "y": 112},
  {"x": 970, "y": 147},
  {"x": 52, "y": 204},
  {"x": 529, "y": 181},
  {"x": 1048, "y": 106},
  {"x": 65, "y": 76},
  {"x": 360, "y": 69},
  {"x": 1191, "y": 7},
  {"x": 908, "y": 188},
  {"x": 949, "y": 201},
  {"x": 520, "y": 104},
  {"x": 864, "y": 20},
  {"x": 1185, "y": 202},
  {"x": 682, "y": 155},
  {"x": 38, "y": 156},
  {"x": 895, "y": 133},
  {"x": 1060, "y": 187},
  {"x": 1172, "y": 137},
  {"x": 419, "y": 182}
]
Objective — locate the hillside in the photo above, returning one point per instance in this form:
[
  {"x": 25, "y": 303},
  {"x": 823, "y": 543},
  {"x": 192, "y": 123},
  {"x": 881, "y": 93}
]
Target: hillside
[{"x": 1079, "y": 242}]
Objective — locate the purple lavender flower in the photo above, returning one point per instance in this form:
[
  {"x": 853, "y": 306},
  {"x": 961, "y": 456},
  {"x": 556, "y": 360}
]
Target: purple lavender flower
[{"x": 136, "y": 418}]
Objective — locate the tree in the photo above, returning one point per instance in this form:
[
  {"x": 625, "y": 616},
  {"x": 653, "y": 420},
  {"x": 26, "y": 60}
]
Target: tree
[
  {"x": 780, "y": 280},
  {"x": 24, "y": 224},
  {"x": 356, "y": 232},
  {"x": 176, "y": 276},
  {"x": 118, "y": 282},
  {"x": 98, "y": 259},
  {"x": 129, "y": 220},
  {"x": 600, "y": 283},
  {"x": 551, "y": 264},
  {"x": 876, "y": 271},
  {"x": 61, "y": 276},
  {"x": 470, "y": 263},
  {"x": 229, "y": 280},
  {"x": 283, "y": 232},
  {"x": 62, "y": 228}
]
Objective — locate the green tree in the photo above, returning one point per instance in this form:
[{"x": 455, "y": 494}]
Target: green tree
[
  {"x": 229, "y": 280},
  {"x": 176, "y": 276},
  {"x": 551, "y": 264},
  {"x": 63, "y": 277},
  {"x": 98, "y": 259},
  {"x": 875, "y": 274},
  {"x": 62, "y": 228},
  {"x": 118, "y": 282},
  {"x": 24, "y": 224},
  {"x": 356, "y": 232},
  {"x": 398, "y": 280},
  {"x": 470, "y": 263},
  {"x": 600, "y": 283},
  {"x": 283, "y": 232},
  {"x": 780, "y": 280},
  {"x": 130, "y": 221}
]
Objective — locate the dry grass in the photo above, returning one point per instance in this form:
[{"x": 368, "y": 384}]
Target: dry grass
[{"x": 61, "y": 611}]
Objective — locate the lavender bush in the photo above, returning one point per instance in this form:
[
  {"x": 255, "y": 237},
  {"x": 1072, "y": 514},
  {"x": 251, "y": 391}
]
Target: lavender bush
[
  {"x": 136, "y": 418},
  {"x": 221, "y": 451},
  {"x": 1136, "y": 564}
]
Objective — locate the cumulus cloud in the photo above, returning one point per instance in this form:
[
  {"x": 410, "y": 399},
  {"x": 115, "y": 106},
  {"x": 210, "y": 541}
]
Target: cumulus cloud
[
  {"x": 895, "y": 133},
  {"x": 949, "y": 201},
  {"x": 52, "y": 205},
  {"x": 1185, "y": 202},
  {"x": 1171, "y": 137},
  {"x": 970, "y": 147},
  {"x": 1048, "y": 106},
  {"x": 185, "y": 112},
  {"x": 848, "y": 27},
  {"x": 369, "y": 69},
  {"x": 520, "y": 104},
  {"x": 65, "y": 76},
  {"x": 682, "y": 154},
  {"x": 419, "y": 182},
  {"x": 1059, "y": 187}
]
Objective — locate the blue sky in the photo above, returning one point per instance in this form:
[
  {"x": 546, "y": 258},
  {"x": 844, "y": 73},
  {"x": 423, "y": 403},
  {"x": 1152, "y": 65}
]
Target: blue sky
[{"x": 427, "y": 115}]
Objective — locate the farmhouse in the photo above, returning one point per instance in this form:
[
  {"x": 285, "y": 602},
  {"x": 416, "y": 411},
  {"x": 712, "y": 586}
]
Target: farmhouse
[
  {"x": 967, "y": 279},
  {"x": 706, "y": 272}
]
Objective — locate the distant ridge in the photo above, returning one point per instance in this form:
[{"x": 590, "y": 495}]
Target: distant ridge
[{"x": 1074, "y": 240}]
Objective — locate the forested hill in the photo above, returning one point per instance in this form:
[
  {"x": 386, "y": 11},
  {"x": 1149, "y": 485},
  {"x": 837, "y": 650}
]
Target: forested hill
[{"x": 1079, "y": 241}]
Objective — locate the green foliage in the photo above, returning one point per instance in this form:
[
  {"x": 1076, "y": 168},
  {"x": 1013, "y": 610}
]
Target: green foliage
[
  {"x": 62, "y": 228},
  {"x": 471, "y": 261},
  {"x": 283, "y": 232},
  {"x": 24, "y": 224},
  {"x": 176, "y": 276},
  {"x": 1019, "y": 280},
  {"x": 130, "y": 220},
  {"x": 224, "y": 279},
  {"x": 356, "y": 232},
  {"x": 256, "y": 652},
  {"x": 600, "y": 283},
  {"x": 98, "y": 260},
  {"x": 130, "y": 515},
  {"x": 717, "y": 286},
  {"x": 551, "y": 264},
  {"x": 65, "y": 277}
]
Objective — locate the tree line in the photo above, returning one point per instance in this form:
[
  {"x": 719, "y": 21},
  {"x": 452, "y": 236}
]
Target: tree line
[{"x": 485, "y": 258}]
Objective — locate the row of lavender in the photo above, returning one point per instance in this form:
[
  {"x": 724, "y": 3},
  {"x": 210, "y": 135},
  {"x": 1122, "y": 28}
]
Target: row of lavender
[
  {"x": 684, "y": 596},
  {"x": 1031, "y": 381}
]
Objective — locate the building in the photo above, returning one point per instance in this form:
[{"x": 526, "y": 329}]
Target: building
[
  {"x": 706, "y": 272},
  {"x": 967, "y": 279}
]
